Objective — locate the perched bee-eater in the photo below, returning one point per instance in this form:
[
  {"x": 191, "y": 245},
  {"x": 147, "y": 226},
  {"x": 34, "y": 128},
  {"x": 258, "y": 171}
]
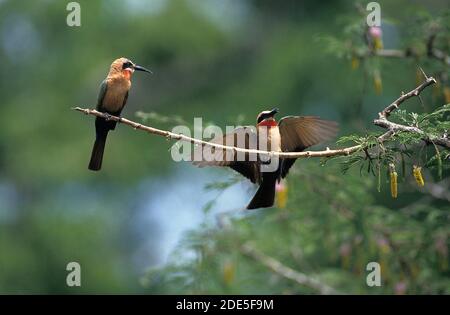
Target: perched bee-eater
[
  {"x": 290, "y": 134},
  {"x": 111, "y": 99}
]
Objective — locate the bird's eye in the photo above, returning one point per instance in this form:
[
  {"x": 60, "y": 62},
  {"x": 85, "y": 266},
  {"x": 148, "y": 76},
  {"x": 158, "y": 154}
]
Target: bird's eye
[{"x": 127, "y": 64}]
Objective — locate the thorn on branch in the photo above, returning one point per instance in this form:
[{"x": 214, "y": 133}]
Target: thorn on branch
[{"x": 423, "y": 72}]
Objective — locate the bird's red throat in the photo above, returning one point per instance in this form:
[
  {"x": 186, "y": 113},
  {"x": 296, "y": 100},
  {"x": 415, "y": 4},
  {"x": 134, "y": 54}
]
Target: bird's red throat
[{"x": 268, "y": 123}]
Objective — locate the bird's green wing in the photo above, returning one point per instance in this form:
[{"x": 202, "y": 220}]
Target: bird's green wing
[{"x": 101, "y": 94}]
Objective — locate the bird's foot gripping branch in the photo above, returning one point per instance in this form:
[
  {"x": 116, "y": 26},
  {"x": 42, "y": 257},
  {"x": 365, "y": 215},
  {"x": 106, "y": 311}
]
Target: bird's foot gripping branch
[{"x": 407, "y": 136}]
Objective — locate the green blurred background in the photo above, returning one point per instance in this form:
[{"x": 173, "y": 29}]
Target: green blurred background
[{"x": 146, "y": 224}]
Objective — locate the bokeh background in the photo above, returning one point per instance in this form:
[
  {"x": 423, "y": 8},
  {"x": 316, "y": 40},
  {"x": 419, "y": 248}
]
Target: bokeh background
[{"x": 146, "y": 224}]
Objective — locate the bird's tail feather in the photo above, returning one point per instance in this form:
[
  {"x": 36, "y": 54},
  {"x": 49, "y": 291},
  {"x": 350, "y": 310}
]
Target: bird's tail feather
[
  {"x": 95, "y": 163},
  {"x": 265, "y": 195}
]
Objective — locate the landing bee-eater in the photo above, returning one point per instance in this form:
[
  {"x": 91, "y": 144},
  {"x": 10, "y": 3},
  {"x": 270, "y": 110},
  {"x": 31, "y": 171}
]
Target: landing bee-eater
[
  {"x": 290, "y": 134},
  {"x": 111, "y": 99}
]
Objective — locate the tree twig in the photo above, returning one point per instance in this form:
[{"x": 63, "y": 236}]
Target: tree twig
[
  {"x": 382, "y": 121},
  {"x": 285, "y": 271},
  {"x": 415, "y": 92},
  {"x": 397, "y": 53},
  {"x": 435, "y": 52},
  {"x": 394, "y": 127},
  {"x": 171, "y": 135}
]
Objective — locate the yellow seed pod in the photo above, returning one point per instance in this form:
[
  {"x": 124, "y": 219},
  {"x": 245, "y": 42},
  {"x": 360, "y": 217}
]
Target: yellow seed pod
[
  {"x": 417, "y": 172},
  {"x": 281, "y": 190},
  {"x": 378, "y": 43},
  {"x": 394, "y": 192},
  {"x": 355, "y": 63},
  {"x": 377, "y": 83},
  {"x": 393, "y": 175},
  {"x": 447, "y": 94},
  {"x": 229, "y": 271}
]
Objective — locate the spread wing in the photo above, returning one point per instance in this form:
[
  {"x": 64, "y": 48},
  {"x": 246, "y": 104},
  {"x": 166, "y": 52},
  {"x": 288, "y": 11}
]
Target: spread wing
[
  {"x": 243, "y": 163},
  {"x": 300, "y": 132}
]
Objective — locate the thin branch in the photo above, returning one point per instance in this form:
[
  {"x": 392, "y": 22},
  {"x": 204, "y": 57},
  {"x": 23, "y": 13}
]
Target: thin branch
[
  {"x": 433, "y": 53},
  {"x": 171, "y": 135},
  {"x": 276, "y": 266},
  {"x": 382, "y": 121},
  {"x": 286, "y": 271},
  {"x": 440, "y": 55},
  {"x": 393, "y": 53},
  {"x": 415, "y": 92},
  {"x": 394, "y": 127}
]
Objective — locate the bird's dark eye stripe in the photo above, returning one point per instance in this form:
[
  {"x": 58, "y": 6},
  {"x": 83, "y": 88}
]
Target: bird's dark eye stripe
[
  {"x": 262, "y": 117},
  {"x": 126, "y": 65}
]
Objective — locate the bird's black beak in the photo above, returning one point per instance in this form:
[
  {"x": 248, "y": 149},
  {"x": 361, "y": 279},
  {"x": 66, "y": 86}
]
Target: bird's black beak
[
  {"x": 139, "y": 68},
  {"x": 274, "y": 111}
]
